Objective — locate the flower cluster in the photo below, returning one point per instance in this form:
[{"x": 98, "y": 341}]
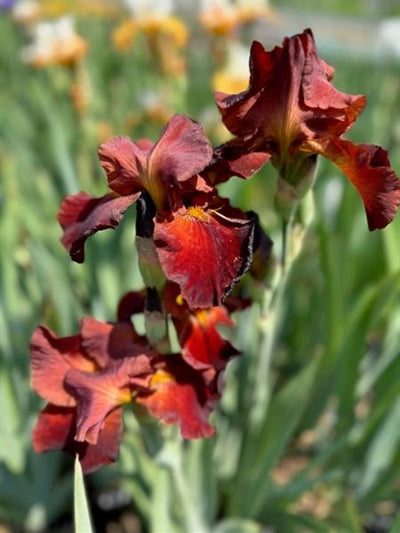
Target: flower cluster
[{"x": 193, "y": 248}]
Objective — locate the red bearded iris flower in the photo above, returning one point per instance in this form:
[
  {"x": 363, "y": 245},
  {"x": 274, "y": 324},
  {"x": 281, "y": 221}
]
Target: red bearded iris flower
[
  {"x": 291, "y": 112},
  {"x": 86, "y": 379},
  {"x": 92, "y": 374},
  {"x": 202, "y": 243}
]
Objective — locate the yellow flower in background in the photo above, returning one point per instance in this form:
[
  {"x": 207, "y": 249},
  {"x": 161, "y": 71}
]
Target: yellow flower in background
[
  {"x": 153, "y": 18},
  {"x": 166, "y": 34},
  {"x": 233, "y": 77},
  {"x": 55, "y": 43},
  {"x": 223, "y": 17},
  {"x": 30, "y": 11},
  {"x": 252, "y": 10},
  {"x": 124, "y": 34},
  {"x": 219, "y": 17}
]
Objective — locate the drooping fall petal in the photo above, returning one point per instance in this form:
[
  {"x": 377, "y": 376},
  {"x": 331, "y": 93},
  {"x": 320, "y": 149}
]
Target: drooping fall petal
[
  {"x": 55, "y": 430},
  {"x": 179, "y": 396},
  {"x": 202, "y": 344},
  {"x": 205, "y": 253},
  {"x": 368, "y": 168},
  {"x": 81, "y": 215},
  {"x": 51, "y": 359},
  {"x": 233, "y": 159}
]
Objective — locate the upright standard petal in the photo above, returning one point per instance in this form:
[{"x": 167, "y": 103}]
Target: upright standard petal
[
  {"x": 125, "y": 164},
  {"x": 290, "y": 99},
  {"x": 110, "y": 341},
  {"x": 368, "y": 168},
  {"x": 81, "y": 215},
  {"x": 182, "y": 151},
  {"x": 205, "y": 253}
]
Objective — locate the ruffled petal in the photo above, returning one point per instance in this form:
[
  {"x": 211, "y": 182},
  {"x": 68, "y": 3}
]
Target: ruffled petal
[
  {"x": 203, "y": 347},
  {"x": 205, "y": 253},
  {"x": 53, "y": 357},
  {"x": 125, "y": 164},
  {"x": 81, "y": 215},
  {"x": 178, "y": 396},
  {"x": 97, "y": 394},
  {"x": 234, "y": 159},
  {"x": 55, "y": 428},
  {"x": 334, "y": 111},
  {"x": 290, "y": 99},
  {"x": 182, "y": 151},
  {"x": 202, "y": 344},
  {"x": 368, "y": 168},
  {"x": 105, "y": 341}
]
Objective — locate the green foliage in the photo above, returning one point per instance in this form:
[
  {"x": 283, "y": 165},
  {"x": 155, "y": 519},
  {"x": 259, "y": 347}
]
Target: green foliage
[
  {"x": 82, "y": 519},
  {"x": 330, "y": 394}
]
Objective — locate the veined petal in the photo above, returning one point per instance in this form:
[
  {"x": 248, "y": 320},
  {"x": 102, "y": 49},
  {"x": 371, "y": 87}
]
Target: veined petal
[
  {"x": 106, "y": 341},
  {"x": 202, "y": 344},
  {"x": 234, "y": 159},
  {"x": 51, "y": 359},
  {"x": 182, "y": 151},
  {"x": 205, "y": 253},
  {"x": 290, "y": 99},
  {"x": 97, "y": 394},
  {"x": 339, "y": 109},
  {"x": 125, "y": 164},
  {"x": 81, "y": 215},
  {"x": 178, "y": 396},
  {"x": 55, "y": 428},
  {"x": 368, "y": 168}
]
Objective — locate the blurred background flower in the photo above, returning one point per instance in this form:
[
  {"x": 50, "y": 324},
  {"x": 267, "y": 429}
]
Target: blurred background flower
[{"x": 324, "y": 454}]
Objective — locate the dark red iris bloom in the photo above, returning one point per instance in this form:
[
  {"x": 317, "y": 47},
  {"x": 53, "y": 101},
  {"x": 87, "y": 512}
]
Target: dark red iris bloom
[
  {"x": 86, "y": 378},
  {"x": 289, "y": 112},
  {"x": 202, "y": 243}
]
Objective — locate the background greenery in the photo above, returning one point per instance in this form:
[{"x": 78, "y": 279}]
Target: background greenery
[{"x": 326, "y": 455}]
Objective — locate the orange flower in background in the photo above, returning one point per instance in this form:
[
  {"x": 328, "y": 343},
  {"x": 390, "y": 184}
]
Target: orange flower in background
[
  {"x": 55, "y": 43},
  {"x": 166, "y": 34},
  {"x": 218, "y": 17},
  {"x": 291, "y": 112},
  {"x": 223, "y": 17}
]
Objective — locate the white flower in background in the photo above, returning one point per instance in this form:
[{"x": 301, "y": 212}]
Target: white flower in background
[
  {"x": 144, "y": 9},
  {"x": 54, "y": 42},
  {"x": 389, "y": 37},
  {"x": 218, "y": 16},
  {"x": 26, "y": 11}
]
